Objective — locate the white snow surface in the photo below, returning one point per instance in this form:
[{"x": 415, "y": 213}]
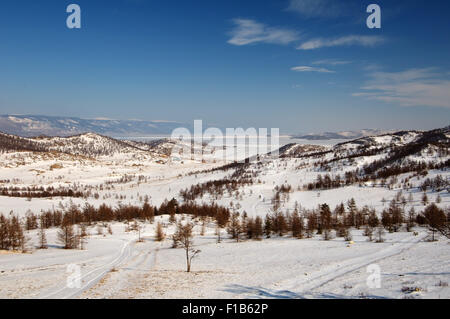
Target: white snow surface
[{"x": 116, "y": 266}]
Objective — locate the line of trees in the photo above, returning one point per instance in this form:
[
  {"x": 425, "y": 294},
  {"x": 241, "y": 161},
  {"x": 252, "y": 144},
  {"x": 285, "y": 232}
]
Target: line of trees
[
  {"x": 215, "y": 188},
  {"x": 377, "y": 171},
  {"x": 436, "y": 184},
  {"x": 73, "y": 220},
  {"x": 10, "y": 143},
  {"x": 89, "y": 214},
  {"x": 324, "y": 221},
  {"x": 40, "y": 192}
]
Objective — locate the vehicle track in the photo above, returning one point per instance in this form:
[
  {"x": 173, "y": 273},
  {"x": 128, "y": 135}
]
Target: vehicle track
[
  {"x": 305, "y": 286},
  {"x": 127, "y": 275},
  {"x": 90, "y": 278}
]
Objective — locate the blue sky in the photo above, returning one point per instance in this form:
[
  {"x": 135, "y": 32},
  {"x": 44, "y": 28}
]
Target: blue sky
[{"x": 299, "y": 65}]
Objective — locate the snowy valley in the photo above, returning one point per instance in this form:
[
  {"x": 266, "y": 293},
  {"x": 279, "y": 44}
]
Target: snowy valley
[{"x": 304, "y": 224}]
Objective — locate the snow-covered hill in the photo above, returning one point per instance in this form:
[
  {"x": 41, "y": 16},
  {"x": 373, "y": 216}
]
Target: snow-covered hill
[
  {"x": 344, "y": 135},
  {"x": 87, "y": 145},
  {"x": 394, "y": 147},
  {"x": 404, "y": 170}
]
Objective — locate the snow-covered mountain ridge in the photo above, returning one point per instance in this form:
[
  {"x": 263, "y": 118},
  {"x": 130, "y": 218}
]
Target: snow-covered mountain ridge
[
  {"x": 88, "y": 144},
  {"x": 343, "y": 135},
  {"x": 34, "y": 125}
]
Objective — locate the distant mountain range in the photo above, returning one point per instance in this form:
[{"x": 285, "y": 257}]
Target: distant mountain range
[
  {"x": 35, "y": 125},
  {"x": 93, "y": 145},
  {"x": 393, "y": 150},
  {"x": 42, "y": 125},
  {"x": 344, "y": 135},
  {"x": 88, "y": 145}
]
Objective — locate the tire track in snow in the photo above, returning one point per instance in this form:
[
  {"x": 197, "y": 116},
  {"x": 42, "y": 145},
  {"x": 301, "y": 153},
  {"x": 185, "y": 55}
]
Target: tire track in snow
[
  {"x": 90, "y": 278},
  {"x": 305, "y": 286},
  {"x": 128, "y": 274}
]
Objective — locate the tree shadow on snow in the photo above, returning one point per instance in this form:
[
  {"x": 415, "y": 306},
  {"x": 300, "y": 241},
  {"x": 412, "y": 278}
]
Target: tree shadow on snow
[
  {"x": 259, "y": 292},
  {"x": 420, "y": 274},
  {"x": 54, "y": 246}
]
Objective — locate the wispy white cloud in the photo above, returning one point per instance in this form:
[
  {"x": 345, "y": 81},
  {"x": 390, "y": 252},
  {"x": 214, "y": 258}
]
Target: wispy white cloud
[
  {"x": 331, "y": 62},
  {"x": 372, "y": 67},
  {"x": 414, "y": 87},
  {"x": 249, "y": 31},
  {"x": 367, "y": 41},
  {"x": 317, "y": 8},
  {"x": 311, "y": 69}
]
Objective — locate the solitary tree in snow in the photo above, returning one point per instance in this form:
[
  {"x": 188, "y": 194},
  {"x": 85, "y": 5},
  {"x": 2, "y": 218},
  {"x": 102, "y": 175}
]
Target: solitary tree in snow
[
  {"x": 184, "y": 238},
  {"x": 139, "y": 229}
]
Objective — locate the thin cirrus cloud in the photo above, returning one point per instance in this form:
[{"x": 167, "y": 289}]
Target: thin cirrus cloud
[
  {"x": 247, "y": 31},
  {"x": 361, "y": 40},
  {"x": 318, "y": 8},
  {"x": 331, "y": 62},
  {"x": 414, "y": 87},
  {"x": 311, "y": 69}
]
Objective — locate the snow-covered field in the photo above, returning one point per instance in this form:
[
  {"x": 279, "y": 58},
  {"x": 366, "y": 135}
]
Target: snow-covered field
[{"x": 117, "y": 266}]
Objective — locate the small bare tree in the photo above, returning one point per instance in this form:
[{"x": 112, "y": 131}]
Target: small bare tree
[
  {"x": 368, "y": 231},
  {"x": 424, "y": 199},
  {"x": 380, "y": 233},
  {"x": 184, "y": 237},
  {"x": 42, "y": 236},
  {"x": 445, "y": 230},
  {"x": 222, "y": 217},
  {"x": 82, "y": 235},
  {"x": 139, "y": 228},
  {"x": 66, "y": 235},
  {"x": 435, "y": 218},
  {"x": 202, "y": 233},
  {"x": 235, "y": 226},
  {"x": 159, "y": 236},
  {"x": 326, "y": 234}
]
